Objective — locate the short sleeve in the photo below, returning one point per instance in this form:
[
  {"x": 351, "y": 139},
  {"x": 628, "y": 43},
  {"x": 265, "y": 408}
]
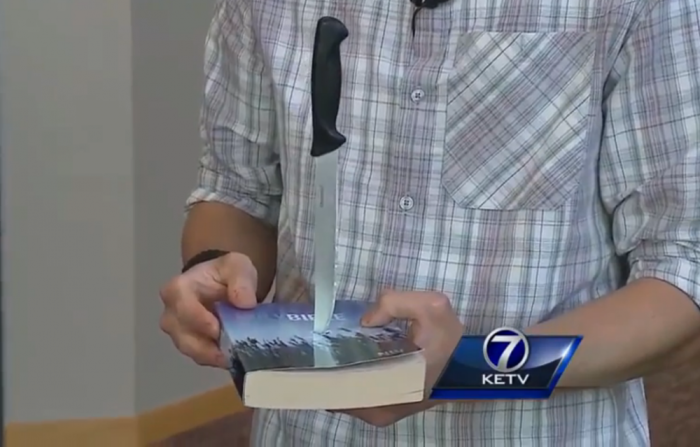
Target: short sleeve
[
  {"x": 240, "y": 162},
  {"x": 650, "y": 161}
]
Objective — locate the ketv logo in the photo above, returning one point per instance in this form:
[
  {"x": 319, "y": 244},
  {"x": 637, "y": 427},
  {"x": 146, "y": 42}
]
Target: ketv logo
[{"x": 505, "y": 364}]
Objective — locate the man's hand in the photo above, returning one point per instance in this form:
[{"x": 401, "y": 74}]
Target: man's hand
[
  {"x": 189, "y": 298},
  {"x": 434, "y": 327}
]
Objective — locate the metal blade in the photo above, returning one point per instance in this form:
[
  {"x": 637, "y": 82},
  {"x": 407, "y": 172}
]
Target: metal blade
[
  {"x": 323, "y": 352},
  {"x": 324, "y": 240}
]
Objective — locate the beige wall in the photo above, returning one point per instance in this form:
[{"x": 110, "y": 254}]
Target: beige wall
[{"x": 99, "y": 107}]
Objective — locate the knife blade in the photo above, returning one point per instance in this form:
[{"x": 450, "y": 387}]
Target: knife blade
[{"x": 326, "y": 77}]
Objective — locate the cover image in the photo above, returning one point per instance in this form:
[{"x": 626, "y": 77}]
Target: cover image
[{"x": 280, "y": 336}]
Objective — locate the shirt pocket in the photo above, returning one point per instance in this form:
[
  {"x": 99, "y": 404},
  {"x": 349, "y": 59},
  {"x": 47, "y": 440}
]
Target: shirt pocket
[{"x": 517, "y": 119}]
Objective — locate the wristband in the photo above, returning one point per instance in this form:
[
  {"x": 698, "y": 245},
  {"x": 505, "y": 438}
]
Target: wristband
[{"x": 204, "y": 256}]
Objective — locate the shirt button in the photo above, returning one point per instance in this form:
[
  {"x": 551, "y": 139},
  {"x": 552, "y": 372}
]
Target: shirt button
[
  {"x": 417, "y": 95},
  {"x": 406, "y": 203}
]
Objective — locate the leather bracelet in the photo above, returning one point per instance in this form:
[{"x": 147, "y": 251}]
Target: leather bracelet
[{"x": 204, "y": 256}]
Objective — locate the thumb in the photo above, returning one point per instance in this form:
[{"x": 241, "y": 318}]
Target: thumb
[
  {"x": 237, "y": 272},
  {"x": 381, "y": 313},
  {"x": 376, "y": 317}
]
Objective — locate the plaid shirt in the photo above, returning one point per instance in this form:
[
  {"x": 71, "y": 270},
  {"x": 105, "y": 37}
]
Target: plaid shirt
[{"x": 510, "y": 155}]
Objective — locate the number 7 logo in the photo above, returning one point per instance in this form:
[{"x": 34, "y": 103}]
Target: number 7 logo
[{"x": 500, "y": 362}]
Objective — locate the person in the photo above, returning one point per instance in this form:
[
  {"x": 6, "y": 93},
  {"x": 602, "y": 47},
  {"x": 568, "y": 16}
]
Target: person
[{"x": 530, "y": 164}]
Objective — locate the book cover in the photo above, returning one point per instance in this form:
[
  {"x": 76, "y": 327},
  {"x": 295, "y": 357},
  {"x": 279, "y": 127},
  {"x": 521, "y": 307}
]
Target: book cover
[{"x": 280, "y": 336}]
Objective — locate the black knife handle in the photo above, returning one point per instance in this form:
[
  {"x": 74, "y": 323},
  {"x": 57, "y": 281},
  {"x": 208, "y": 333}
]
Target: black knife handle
[{"x": 326, "y": 77}]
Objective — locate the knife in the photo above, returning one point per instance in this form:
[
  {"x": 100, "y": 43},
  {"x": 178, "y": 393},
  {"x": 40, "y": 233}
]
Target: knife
[{"x": 325, "y": 100}]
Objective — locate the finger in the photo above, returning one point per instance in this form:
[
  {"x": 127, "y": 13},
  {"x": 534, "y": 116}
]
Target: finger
[
  {"x": 394, "y": 305},
  {"x": 195, "y": 317},
  {"x": 202, "y": 350},
  {"x": 238, "y": 274},
  {"x": 378, "y": 416}
]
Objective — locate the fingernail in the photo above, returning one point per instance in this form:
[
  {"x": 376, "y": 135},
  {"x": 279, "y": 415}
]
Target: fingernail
[
  {"x": 245, "y": 296},
  {"x": 233, "y": 295}
]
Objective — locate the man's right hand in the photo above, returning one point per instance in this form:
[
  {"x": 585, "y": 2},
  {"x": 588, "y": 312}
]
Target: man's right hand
[{"x": 189, "y": 298}]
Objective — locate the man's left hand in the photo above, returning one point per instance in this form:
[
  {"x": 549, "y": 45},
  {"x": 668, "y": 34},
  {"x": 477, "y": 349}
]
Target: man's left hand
[{"x": 433, "y": 326}]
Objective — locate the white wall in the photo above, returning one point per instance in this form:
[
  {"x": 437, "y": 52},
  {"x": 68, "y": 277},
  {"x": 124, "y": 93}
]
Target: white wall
[
  {"x": 99, "y": 106},
  {"x": 168, "y": 64}
]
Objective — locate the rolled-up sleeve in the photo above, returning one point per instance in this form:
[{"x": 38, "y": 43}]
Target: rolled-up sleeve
[
  {"x": 649, "y": 168},
  {"x": 240, "y": 162}
]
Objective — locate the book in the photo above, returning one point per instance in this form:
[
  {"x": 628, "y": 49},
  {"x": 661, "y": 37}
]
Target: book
[{"x": 277, "y": 361}]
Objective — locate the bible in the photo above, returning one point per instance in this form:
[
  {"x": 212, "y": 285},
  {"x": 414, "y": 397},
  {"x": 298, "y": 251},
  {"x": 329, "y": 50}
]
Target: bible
[{"x": 277, "y": 361}]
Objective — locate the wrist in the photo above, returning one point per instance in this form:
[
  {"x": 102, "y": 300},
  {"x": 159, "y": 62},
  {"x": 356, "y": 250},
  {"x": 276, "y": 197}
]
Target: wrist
[{"x": 202, "y": 257}]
